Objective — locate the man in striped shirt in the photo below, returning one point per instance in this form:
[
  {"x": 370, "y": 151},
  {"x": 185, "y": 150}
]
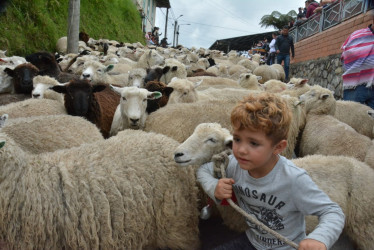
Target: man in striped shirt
[{"x": 358, "y": 59}]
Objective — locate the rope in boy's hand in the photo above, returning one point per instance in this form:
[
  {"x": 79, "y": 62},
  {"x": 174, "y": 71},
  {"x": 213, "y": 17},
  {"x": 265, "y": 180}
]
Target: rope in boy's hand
[
  {"x": 218, "y": 160},
  {"x": 221, "y": 162}
]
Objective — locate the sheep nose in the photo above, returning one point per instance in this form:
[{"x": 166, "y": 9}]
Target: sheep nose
[
  {"x": 134, "y": 121},
  {"x": 178, "y": 155},
  {"x": 35, "y": 95},
  {"x": 86, "y": 75}
]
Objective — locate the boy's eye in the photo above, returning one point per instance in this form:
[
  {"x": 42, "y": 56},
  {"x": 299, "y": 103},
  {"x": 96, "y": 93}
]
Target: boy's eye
[
  {"x": 236, "y": 139},
  {"x": 254, "y": 143}
]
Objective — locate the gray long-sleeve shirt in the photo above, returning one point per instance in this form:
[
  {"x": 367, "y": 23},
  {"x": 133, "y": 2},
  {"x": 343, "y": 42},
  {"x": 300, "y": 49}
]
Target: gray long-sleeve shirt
[
  {"x": 280, "y": 200},
  {"x": 284, "y": 44}
]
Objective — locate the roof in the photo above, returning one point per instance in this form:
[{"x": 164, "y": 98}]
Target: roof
[
  {"x": 163, "y": 3},
  {"x": 239, "y": 43}
]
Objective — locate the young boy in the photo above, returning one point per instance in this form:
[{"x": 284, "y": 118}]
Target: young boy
[{"x": 269, "y": 186}]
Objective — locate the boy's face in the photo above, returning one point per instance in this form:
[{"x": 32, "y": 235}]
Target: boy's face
[{"x": 256, "y": 152}]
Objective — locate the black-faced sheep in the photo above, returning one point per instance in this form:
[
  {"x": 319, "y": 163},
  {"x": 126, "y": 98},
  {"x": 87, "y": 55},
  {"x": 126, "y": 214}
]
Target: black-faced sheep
[
  {"x": 22, "y": 76},
  {"x": 153, "y": 105},
  {"x": 97, "y": 103}
]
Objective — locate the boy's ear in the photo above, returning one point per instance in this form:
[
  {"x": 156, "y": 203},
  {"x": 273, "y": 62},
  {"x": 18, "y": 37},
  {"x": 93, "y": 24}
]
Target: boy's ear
[{"x": 280, "y": 147}]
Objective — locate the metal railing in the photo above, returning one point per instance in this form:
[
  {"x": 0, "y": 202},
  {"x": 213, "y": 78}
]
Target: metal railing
[{"x": 330, "y": 16}]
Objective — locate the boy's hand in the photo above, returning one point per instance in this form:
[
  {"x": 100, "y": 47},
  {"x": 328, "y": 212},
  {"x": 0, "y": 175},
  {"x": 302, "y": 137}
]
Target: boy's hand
[
  {"x": 224, "y": 188},
  {"x": 312, "y": 245}
]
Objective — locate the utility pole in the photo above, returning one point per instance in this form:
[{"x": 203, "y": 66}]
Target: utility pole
[
  {"x": 175, "y": 29},
  {"x": 177, "y": 35},
  {"x": 73, "y": 26},
  {"x": 166, "y": 22}
]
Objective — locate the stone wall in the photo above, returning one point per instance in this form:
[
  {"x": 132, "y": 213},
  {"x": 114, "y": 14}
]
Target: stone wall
[{"x": 325, "y": 71}]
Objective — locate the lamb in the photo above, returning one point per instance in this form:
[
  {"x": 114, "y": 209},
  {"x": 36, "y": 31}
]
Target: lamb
[
  {"x": 355, "y": 115},
  {"x": 77, "y": 66},
  {"x": 33, "y": 107},
  {"x": 136, "y": 77},
  {"x": 251, "y": 65},
  {"x": 266, "y": 72},
  {"x": 150, "y": 58},
  {"x": 47, "y": 65},
  {"x": 131, "y": 111},
  {"x": 177, "y": 69},
  {"x": 219, "y": 70},
  {"x": 346, "y": 181},
  {"x": 297, "y": 87},
  {"x": 97, "y": 73},
  {"x": 153, "y": 105},
  {"x": 216, "y": 82},
  {"x": 22, "y": 76},
  {"x": 125, "y": 192},
  {"x": 236, "y": 70},
  {"x": 275, "y": 86},
  {"x": 41, "y": 85},
  {"x": 279, "y": 68},
  {"x": 323, "y": 133},
  {"x": 249, "y": 81},
  {"x": 40, "y": 134},
  {"x": 155, "y": 73},
  {"x": 97, "y": 103}
]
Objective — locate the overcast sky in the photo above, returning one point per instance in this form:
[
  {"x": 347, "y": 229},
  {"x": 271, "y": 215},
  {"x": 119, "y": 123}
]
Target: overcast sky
[{"x": 211, "y": 20}]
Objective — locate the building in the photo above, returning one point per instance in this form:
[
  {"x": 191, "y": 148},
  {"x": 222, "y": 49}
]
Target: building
[{"x": 147, "y": 9}]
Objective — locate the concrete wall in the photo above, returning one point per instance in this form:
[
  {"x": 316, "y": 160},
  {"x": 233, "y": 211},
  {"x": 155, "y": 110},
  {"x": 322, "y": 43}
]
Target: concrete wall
[{"x": 317, "y": 58}]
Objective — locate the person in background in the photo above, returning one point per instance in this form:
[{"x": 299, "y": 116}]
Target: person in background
[
  {"x": 268, "y": 185},
  {"x": 312, "y": 5},
  {"x": 156, "y": 35},
  {"x": 148, "y": 38},
  {"x": 323, "y": 4},
  {"x": 358, "y": 62},
  {"x": 164, "y": 43},
  {"x": 283, "y": 45},
  {"x": 272, "y": 50}
]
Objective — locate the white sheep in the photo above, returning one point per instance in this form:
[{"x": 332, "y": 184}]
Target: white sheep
[
  {"x": 97, "y": 73},
  {"x": 150, "y": 58},
  {"x": 40, "y": 134},
  {"x": 177, "y": 69},
  {"x": 250, "y": 81},
  {"x": 266, "y": 72},
  {"x": 297, "y": 87},
  {"x": 355, "y": 115},
  {"x": 6, "y": 83},
  {"x": 216, "y": 82},
  {"x": 33, "y": 107},
  {"x": 41, "y": 85},
  {"x": 220, "y": 70},
  {"x": 251, "y": 65},
  {"x": 345, "y": 180},
  {"x": 122, "y": 193},
  {"x": 279, "y": 68},
  {"x": 136, "y": 77},
  {"x": 275, "y": 86},
  {"x": 131, "y": 112}
]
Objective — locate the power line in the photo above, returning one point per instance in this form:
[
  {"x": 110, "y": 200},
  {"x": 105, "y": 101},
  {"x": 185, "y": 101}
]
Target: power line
[{"x": 215, "y": 26}]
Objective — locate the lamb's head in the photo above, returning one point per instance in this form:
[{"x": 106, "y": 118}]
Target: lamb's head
[
  {"x": 207, "y": 140},
  {"x": 77, "y": 66},
  {"x": 176, "y": 69},
  {"x": 22, "y": 77},
  {"x": 319, "y": 100},
  {"x": 95, "y": 71},
  {"x": 184, "y": 91},
  {"x": 78, "y": 96},
  {"x": 249, "y": 81},
  {"x": 41, "y": 84},
  {"x": 136, "y": 77},
  {"x": 153, "y": 58},
  {"x": 133, "y": 104}
]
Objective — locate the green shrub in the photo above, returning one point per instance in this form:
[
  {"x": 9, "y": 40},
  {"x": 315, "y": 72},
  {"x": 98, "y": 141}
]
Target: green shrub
[{"x": 30, "y": 26}]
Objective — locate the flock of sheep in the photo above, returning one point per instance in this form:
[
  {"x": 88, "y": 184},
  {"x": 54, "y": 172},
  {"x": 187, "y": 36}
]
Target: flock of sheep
[{"x": 104, "y": 154}]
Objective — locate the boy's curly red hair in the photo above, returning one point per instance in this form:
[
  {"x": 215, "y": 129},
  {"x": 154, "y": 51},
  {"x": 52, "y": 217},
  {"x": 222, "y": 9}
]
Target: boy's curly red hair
[{"x": 264, "y": 111}]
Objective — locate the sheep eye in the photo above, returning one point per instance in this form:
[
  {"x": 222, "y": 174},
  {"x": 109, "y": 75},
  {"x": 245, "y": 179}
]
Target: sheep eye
[
  {"x": 185, "y": 93},
  {"x": 211, "y": 140}
]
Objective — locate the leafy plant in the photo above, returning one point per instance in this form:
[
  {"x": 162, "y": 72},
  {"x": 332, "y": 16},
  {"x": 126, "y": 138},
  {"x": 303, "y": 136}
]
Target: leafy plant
[{"x": 277, "y": 19}]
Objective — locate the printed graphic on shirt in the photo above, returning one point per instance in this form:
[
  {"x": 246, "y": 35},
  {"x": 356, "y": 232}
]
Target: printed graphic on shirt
[{"x": 269, "y": 217}]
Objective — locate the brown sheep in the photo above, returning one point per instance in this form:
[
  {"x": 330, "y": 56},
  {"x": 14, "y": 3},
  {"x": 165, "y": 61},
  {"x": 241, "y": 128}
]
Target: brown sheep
[
  {"x": 97, "y": 103},
  {"x": 22, "y": 76},
  {"x": 155, "y": 104},
  {"x": 201, "y": 72}
]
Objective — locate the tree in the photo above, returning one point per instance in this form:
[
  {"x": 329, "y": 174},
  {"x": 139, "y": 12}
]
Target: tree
[
  {"x": 73, "y": 26},
  {"x": 277, "y": 19}
]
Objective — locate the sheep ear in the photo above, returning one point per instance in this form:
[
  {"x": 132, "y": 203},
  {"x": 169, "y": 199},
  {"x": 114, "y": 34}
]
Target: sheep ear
[
  {"x": 9, "y": 71},
  {"x": 228, "y": 141},
  {"x": 116, "y": 89},
  {"x": 165, "y": 69},
  {"x": 304, "y": 81},
  {"x": 109, "y": 68},
  {"x": 2, "y": 143},
  {"x": 197, "y": 84},
  {"x": 325, "y": 96},
  {"x": 168, "y": 91},
  {"x": 150, "y": 53},
  {"x": 154, "y": 95},
  {"x": 371, "y": 113},
  {"x": 3, "y": 120},
  {"x": 59, "y": 89},
  {"x": 259, "y": 77}
]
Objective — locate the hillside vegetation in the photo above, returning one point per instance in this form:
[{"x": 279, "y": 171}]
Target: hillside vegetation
[{"x": 30, "y": 26}]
